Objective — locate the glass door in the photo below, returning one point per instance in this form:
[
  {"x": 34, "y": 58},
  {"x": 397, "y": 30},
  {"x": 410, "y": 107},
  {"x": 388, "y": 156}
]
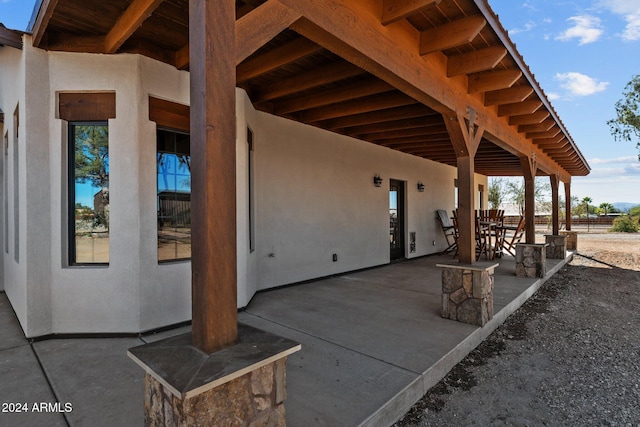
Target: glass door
[{"x": 396, "y": 219}]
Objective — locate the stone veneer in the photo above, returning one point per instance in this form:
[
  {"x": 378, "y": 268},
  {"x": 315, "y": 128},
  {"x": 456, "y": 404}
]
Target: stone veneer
[
  {"x": 572, "y": 239},
  {"x": 467, "y": 292},
  {"x": 557, "y": 248},
  {"x": 256, "y": 398},
  {"x": 531, "y": 260},
  {"x": 241, "y": 385}
]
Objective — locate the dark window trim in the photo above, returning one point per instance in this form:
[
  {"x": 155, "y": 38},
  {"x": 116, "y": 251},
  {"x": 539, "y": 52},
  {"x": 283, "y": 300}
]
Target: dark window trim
[
  {"x": 71, "y": 195},
  {"x": 251, "y": 189}
]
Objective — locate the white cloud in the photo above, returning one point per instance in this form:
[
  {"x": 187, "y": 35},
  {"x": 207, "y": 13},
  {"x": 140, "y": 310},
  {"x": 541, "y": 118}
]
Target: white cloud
[
  {"x": 626, "y": 159},
  {"x": 629, "y": 10},
  {"x": 553, "y": 96},
  {"x": 579, "y": 84},
  {"x": 527, "y": 27},
  {"x": 586, "y": 28}
]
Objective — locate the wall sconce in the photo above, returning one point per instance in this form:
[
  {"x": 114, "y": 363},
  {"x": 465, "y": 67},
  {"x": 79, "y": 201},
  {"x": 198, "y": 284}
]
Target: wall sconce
[
  {"x": 420, "y": 186},
  {"x": 377, "y": 181}
]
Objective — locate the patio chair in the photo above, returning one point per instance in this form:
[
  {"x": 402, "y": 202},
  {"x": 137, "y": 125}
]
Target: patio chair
[
  {"x": 512, "y": 236},
  {"x": 449, "y": 229}
]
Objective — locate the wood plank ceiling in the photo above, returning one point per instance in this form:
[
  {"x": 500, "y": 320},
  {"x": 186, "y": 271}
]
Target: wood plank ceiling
[{"x": 296, "y": 78}]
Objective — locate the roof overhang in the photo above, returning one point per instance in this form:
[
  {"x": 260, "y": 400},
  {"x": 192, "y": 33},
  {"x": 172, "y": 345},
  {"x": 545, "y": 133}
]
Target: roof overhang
[
  {"x": 11, "y": 38},
  {"x": 384, "y": 71}
]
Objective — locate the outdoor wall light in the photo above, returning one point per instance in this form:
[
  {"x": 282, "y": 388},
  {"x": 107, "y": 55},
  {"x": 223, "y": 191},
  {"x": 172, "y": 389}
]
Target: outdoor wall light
[
  {"x": 377, "y": 181},
  {"x": 420, "y": 186}
]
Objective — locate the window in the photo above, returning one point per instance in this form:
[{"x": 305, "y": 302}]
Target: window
[
  {"x": 250, "y": 168},
  {"x": 174, "y": 195},
  {"x": 16, "y": 187},
  {"x": 5, "y": 199},
  {"x": 455, "y": 193},
  {"x": 88, "y": 193}
]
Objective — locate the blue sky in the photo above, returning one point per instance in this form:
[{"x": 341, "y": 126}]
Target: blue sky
[{"x": 582, "y": 53}]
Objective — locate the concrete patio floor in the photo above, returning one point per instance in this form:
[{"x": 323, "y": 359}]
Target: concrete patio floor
[{"x": 373, "y": 342}]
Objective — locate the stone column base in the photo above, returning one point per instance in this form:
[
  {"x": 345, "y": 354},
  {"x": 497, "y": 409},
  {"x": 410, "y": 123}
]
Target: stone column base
[
  {"x": 572, "y": 239},
  {"x": 557, "y": 248},
  {"x": 467, "y": 292},
  {"x": 531, "y": 260},
  {"x": 241, "y": 385}
]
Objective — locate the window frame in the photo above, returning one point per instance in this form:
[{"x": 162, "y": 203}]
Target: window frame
[
  {"x": 71, "y": 195},
  {"x": 181, "y": 132}
]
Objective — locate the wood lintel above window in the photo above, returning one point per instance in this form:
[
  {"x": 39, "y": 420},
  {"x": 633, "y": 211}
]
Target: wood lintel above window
[
  {"x": 169, "y": 114},
  {"x": 87, "y": 106}
]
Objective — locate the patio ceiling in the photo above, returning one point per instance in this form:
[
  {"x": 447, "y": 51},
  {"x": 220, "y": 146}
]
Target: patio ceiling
[{"x": 307, "y": 72}]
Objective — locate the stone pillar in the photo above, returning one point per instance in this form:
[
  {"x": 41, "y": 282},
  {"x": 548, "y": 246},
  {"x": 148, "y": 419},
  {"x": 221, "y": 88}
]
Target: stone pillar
[
  {"x": 242, "y": 385},
  {"x": 531, "y": 260},
  {"x": 572, "y": 239},
  {"x": 557, "y": 248},
  {"x": 467, "y": 292}
]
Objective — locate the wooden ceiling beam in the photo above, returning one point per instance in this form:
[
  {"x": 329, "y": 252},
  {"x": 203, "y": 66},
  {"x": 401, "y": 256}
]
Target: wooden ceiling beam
[
  {"x": 318, "y": 76},
  {"x": 370, "y": 86},
  {"x": 432, "y": 120},
  {"x": 261, "y": 25},
  {"x": 529, "y": 119},
  {"x": 421, "y": 131},
  {"x": 279, "y": 57},
  {"x": 493, "y": 80},
  {"x": 560, "y": 149},
  {"x": 353, "y": 31},
  {"x": 476, "y": 61},
  {"x": 519, "y": 108},
  {"x": 452, "y": 34},
  {"x": 394, "y": 10},
  {"x": 73, "y": 43},
  {"x": 537, "y": 127},
  {"x": 548, "y": 134},
  {"x": 367, "y": 104},
  {"x": 146, "y": 48},
  {"x": 507, "y": 96},
  {"x": 432, "y": 139},
  {"x": 377, "y": 117},
  {"x": 127, "y": 24},
  {"x": 182, "y": 58},
  {"x": 555, "y": 141}
]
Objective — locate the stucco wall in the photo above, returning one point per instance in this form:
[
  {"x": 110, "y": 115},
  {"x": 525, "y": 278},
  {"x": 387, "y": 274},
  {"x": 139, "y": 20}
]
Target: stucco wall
[
  {"x": 12, "y": 95},
  {"x": 314, "y": 197}
]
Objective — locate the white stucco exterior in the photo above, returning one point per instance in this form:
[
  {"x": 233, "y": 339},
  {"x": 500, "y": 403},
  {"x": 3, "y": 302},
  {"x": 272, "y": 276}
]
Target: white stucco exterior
[{"x": 313, "y": 197}]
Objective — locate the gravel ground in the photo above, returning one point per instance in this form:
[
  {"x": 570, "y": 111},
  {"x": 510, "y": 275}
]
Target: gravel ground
[{"x": 569, "y": 357}]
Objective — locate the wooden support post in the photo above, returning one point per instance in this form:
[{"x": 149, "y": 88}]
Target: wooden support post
[
  {"x": 213, "y": 197},
  {"x": 465, "y": 138},
  {"x": 555, "y": 205},
  {"x": 567, "y": 198},
  {"x": 529, "y": 168},
  {"x": 466, "y": 215}
]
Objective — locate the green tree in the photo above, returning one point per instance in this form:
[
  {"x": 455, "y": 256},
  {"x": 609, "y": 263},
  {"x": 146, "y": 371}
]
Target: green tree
[
  {"x": 634, "y": 211},
  {"x": 585, "y": 201},
  {"x": 626, "y": 125},
  {"x": 606, "y": 208},
  {"x": 514, "y": 189},
  {"x": 92, "y": 155},
  {"x": 496, "y": 192},
  {"x": 625, "y": 224}
]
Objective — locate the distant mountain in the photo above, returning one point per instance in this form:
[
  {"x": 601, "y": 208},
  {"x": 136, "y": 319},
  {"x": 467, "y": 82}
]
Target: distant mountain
[{"x": 624, "y": 206}]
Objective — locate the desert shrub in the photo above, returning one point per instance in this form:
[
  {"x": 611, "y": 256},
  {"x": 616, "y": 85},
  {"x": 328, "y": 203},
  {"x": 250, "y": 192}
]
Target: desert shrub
[{"x": 625, "y": 224}]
